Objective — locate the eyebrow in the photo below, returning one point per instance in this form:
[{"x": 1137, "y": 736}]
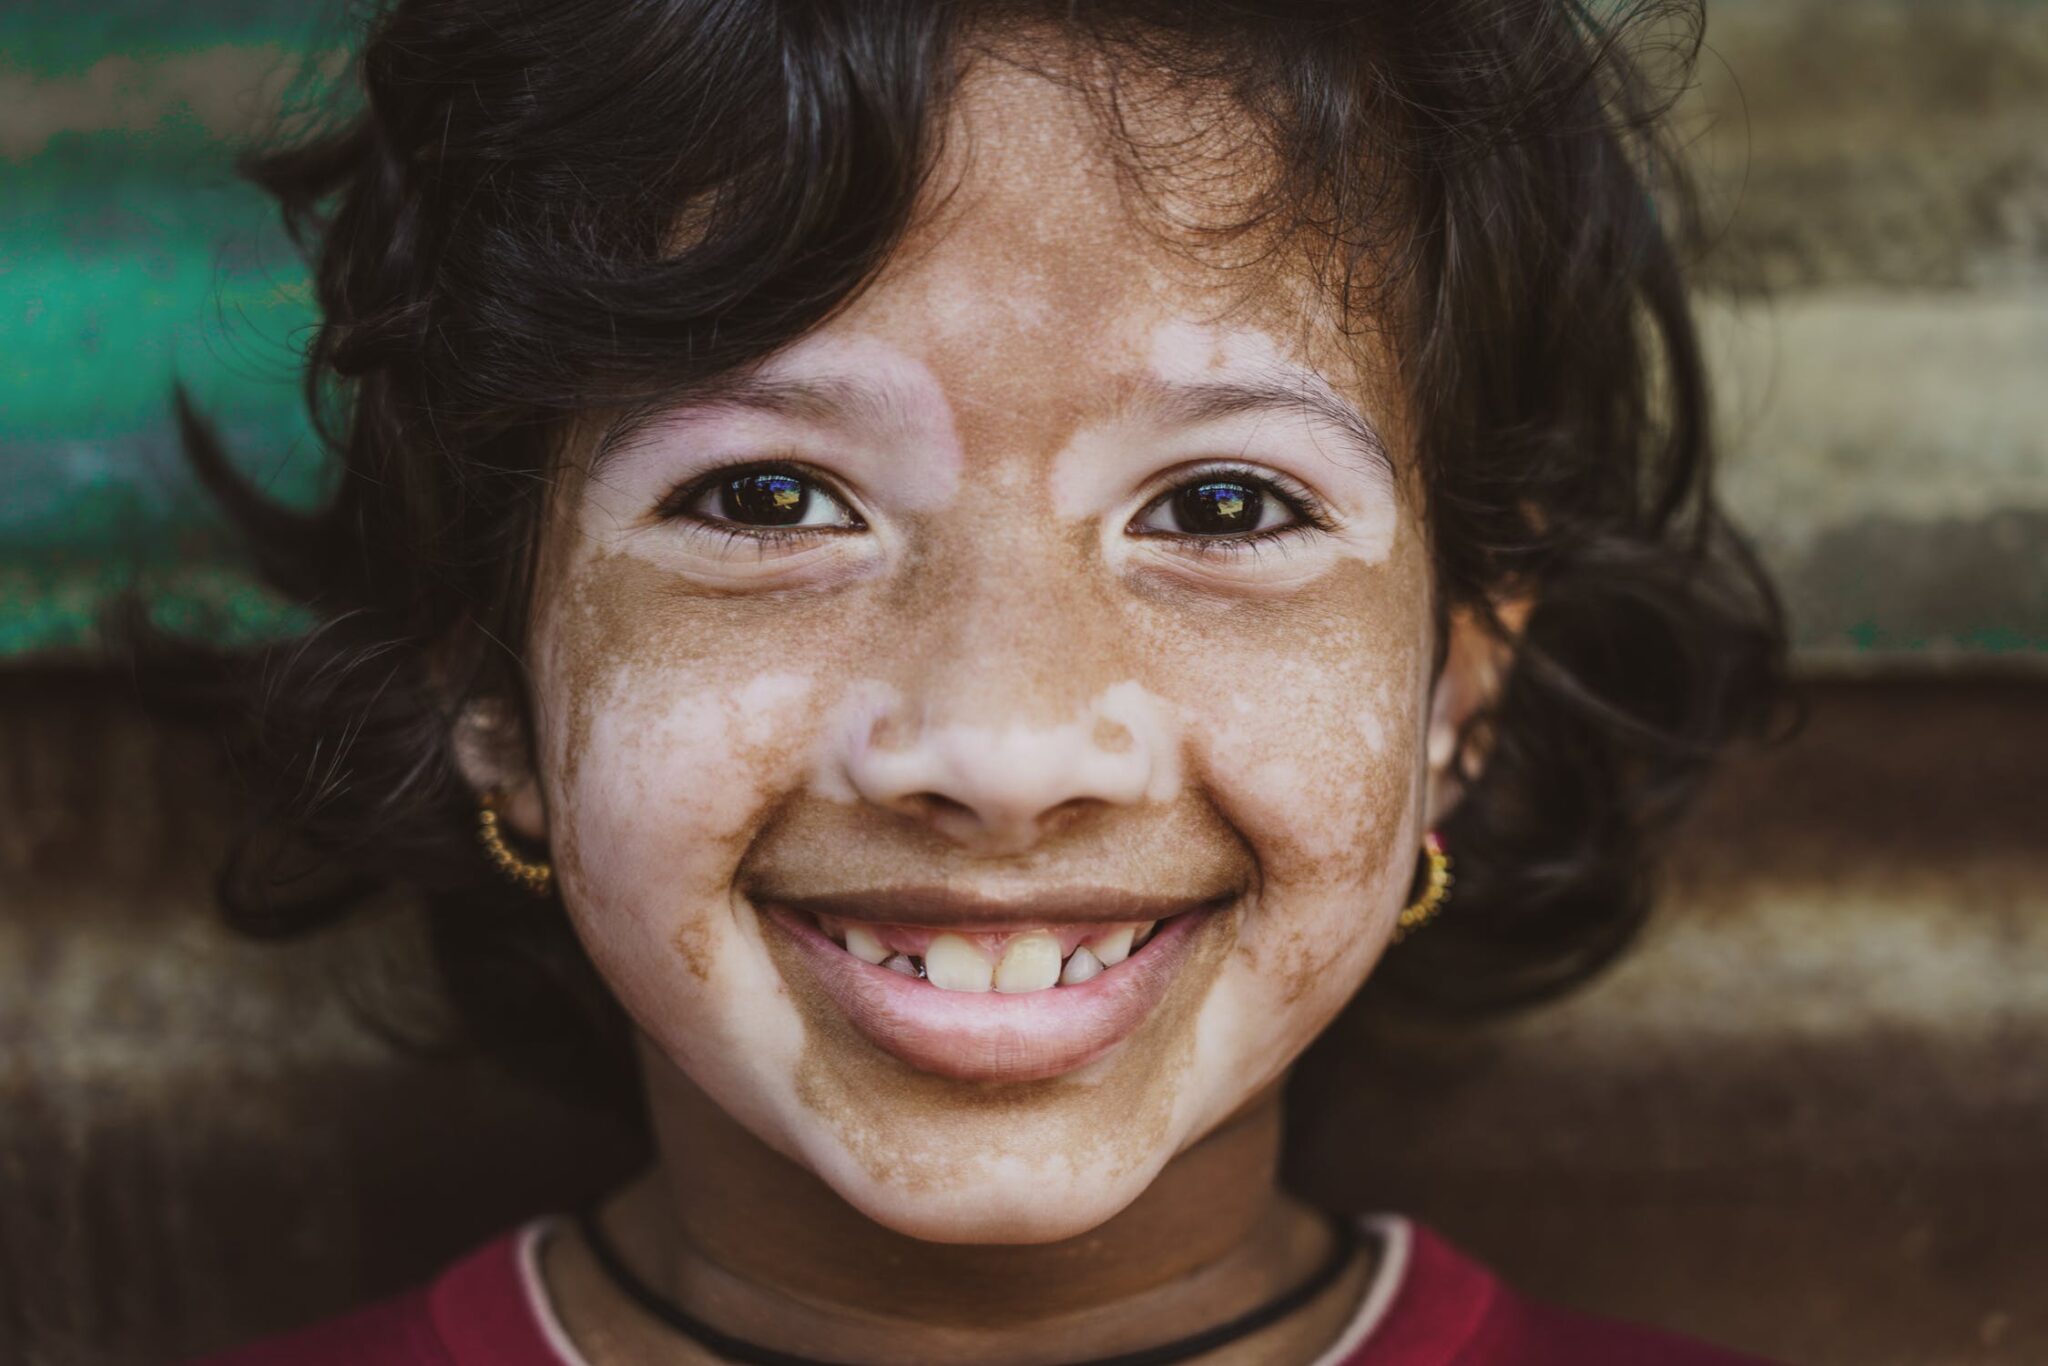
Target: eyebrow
[
  {"x": 830, "y": 398},
  {"x": 1297, "y": 391},
  {"x": 824, "y": 398}
]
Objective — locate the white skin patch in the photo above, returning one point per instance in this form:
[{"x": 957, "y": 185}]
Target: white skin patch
[
  {"x": 878, "y": 413},
  {"x": 1287, "y": 419},
  {"x": 1122, "y": 748},
  {"x": 984, "y": 625}
]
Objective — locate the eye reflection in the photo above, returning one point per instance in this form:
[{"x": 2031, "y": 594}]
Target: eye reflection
[
  {"x": 1218, "y": 509},
  {"x": 1226, "y": 505},
  {"x": 761, "y": 499},
  {"x": 768, "y": 499}
]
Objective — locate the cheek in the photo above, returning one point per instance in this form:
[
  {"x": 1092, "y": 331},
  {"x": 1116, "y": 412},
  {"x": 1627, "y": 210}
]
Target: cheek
[
  {"x": 1312, "y": 769},
  {"x": 665, "y": 743},
  {"x": 1306, "y": 731},
  {"x": 674, "y": 777}
]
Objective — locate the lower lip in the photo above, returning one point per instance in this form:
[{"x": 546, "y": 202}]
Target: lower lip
[{"x": 989, "y": 1036}]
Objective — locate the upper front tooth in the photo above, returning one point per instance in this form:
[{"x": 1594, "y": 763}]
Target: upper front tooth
[
  {"x": 862, "y": 943},
  {"x": 1082, "y": 966},
  {"x": 1031, "y": 962},
  {"x": 1144, "y": 933},
  {"x": 955, "y": 964},
  {"x": 1112, "y": 948}
]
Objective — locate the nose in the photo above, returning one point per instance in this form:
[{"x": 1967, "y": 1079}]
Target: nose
[{"x": 1001, "y": 787}]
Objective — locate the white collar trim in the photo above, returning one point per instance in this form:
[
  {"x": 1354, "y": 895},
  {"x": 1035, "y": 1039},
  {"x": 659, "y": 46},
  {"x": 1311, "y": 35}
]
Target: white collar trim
[
  {"x": 543, "y": 1309},
  {"x": 1396, "y": 1237},
  {"x": 1396, "y": 1242}
]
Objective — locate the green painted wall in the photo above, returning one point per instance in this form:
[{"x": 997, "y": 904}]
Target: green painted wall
[{"x": 130, "y": 257}]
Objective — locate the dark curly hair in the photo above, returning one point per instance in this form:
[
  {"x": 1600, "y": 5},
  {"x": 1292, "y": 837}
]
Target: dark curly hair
[{"x": 493, "y": 231}]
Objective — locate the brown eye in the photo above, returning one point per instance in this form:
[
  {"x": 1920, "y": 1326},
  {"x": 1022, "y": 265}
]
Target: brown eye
[
  {"x": 1224, "y": 505},
  {"x": 768, "y": 499},
  {"x": 1217, "y": 508},
  {"x": 771, "y": 499}
]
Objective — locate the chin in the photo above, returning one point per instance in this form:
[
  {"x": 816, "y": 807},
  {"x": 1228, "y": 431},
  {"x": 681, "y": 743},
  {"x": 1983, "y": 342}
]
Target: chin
[
  {"x": 991, "y": 1205},
  {"x": 986, "y": 1159}
]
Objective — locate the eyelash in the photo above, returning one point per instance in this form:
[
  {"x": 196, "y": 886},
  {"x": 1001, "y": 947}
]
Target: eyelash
[
  {"x": 675, "y": 507},
  {"x": 1308, "y": 510}
]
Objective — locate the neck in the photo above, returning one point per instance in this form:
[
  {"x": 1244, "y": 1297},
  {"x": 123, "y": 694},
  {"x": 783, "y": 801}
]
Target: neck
[{"x": 765, "y": 1250}]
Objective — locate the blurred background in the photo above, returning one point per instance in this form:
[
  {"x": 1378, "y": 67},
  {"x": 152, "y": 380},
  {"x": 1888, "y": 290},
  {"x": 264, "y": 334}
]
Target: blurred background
[{"x": 1808, "y": 1117}]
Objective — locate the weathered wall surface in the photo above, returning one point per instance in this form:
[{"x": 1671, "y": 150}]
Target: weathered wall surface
[
  {"x": 1808, "y": 1116},
  {"x": 131, "y": 257},
  {"x": 202, "y": 1137},
  {"x": 1877, "y": 304},
  {"x": 1809, "y": 1113}
]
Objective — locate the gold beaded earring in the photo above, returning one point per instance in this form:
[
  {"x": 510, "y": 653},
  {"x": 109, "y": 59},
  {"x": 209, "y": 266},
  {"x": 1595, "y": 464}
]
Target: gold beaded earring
[
  {"x": 536, "y": 876},
  {"x": 1435, "y": 892}
]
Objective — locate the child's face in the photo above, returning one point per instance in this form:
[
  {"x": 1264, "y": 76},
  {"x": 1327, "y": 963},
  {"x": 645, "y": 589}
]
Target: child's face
[{"x": 1042, "y": 646}]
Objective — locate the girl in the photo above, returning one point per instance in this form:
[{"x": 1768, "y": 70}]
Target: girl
[{"x": 941, "y": 582}]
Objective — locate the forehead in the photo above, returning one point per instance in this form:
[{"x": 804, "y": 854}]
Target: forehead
[{"x": 1042, "y": 276}]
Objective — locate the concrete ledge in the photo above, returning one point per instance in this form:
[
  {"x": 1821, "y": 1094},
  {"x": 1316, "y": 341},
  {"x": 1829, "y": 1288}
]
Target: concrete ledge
[{"x": 1889, "y": 454}]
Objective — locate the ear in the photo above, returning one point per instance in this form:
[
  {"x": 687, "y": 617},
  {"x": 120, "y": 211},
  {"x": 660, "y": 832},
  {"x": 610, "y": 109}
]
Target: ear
[
  {"x": 1476, "y": 666},
  {"x": 492, "y": 750}
]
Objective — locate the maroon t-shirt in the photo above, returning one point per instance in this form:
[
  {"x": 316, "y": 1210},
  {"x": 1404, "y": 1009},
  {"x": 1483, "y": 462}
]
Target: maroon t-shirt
[{"x": 1429, "y": 1305}]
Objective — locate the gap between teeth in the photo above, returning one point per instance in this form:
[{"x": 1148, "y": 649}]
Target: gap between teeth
[{"x": 1030, "y": 961}]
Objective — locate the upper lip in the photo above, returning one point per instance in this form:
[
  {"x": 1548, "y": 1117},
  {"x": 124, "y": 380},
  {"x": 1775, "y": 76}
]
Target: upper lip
[{"x": 925, "y": 905}]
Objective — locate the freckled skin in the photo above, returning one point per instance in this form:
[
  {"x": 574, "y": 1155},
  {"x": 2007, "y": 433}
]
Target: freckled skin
[{"x": 686, "y": 689}]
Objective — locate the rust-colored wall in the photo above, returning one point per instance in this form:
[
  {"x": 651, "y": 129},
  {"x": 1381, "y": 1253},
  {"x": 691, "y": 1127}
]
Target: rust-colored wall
[
  {"x": 1809, "y": 1113},
  {"x": 202, "y": 1138},
  {"x": 1808, "y": 1116}
]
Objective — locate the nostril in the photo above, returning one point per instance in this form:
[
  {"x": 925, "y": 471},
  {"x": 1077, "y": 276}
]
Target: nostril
[
  {"x": 1054, "y": 818},
  {"x": 936, "y": 804},
  {"x": 939, "y": 810}
]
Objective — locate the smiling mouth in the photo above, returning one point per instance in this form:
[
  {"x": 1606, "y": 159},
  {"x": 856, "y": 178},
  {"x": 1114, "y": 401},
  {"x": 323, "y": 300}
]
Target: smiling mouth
[
  {"x": 1011, "y": 962},
  {"x": 989, "y": 991}
]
